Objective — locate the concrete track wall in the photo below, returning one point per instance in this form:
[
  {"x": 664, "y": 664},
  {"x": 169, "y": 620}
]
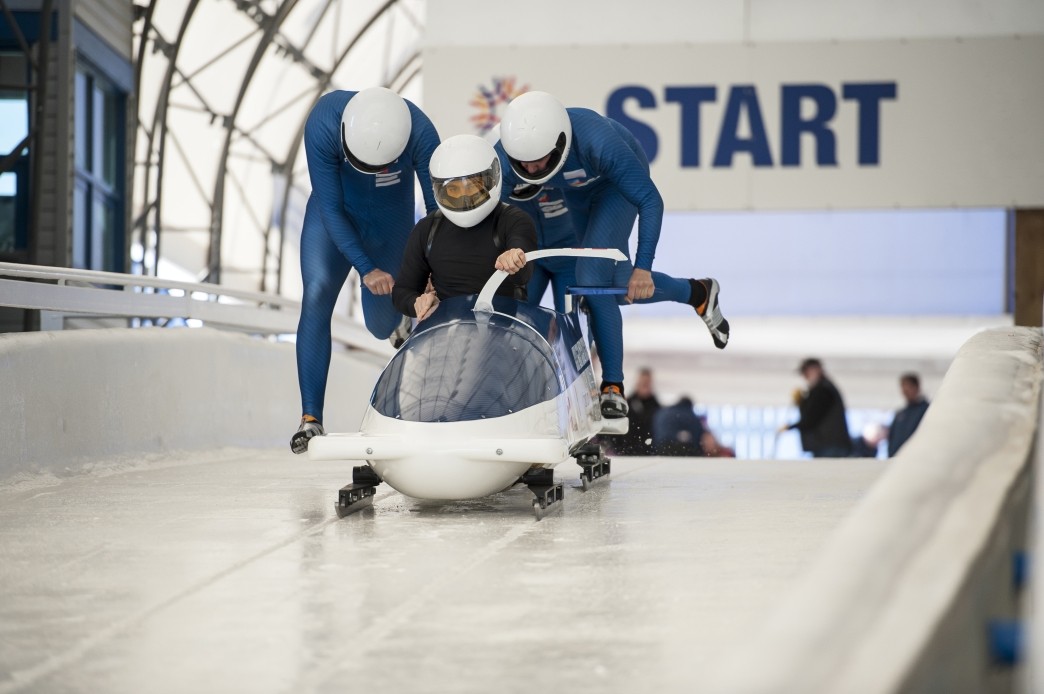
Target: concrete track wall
[
  {"x": 75, "y": 396},
  {"x": 900, "y": 597}
]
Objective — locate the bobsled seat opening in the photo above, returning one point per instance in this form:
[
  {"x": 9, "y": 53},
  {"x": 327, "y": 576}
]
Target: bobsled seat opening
[{"x": 465, "y": 370}]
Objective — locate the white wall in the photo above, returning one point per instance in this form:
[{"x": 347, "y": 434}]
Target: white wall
[
  {"x": 880, "y": 263},
  {"x": 590, "y": 22},
  {"x": 81, "y": 395},
  {"x": 899, "y": 598}
]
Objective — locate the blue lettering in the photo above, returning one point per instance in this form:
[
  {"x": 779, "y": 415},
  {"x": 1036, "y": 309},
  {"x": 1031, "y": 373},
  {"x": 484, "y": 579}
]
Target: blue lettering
[
  {"x": 793, "y": 125},
  {"x": 743, "y": 103},
  {"x": 690, "y": 98},
  {"x": 614, "y": 108},
  {"x": 869, "y": 96},
  {"x": 729, "y": 141}
]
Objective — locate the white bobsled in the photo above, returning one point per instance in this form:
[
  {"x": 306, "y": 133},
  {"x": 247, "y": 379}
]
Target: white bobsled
[{"x": 485, "y": 391}]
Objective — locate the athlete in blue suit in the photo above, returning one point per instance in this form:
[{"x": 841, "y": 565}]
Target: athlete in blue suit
[
  {"x": 547, "y": 208},
  {"x": 554, "y": 226},
  {"x": 363, "y": 150},
  {"x": 604, "y": 174}
]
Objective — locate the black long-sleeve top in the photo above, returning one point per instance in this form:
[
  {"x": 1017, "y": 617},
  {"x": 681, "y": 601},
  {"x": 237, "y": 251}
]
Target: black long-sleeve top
[
  {"x": 822, "y": 423},
  {"x": 461, "y": 260}
]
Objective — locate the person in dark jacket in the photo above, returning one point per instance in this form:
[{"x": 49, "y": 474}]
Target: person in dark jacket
[
  {"x": 824, "y": 430},
  {"x": 677, "y": 431},
  {"x": 642, "y": 406},
  {"x": 906, "y": 420},
  {"x": 458, "y": 246}
]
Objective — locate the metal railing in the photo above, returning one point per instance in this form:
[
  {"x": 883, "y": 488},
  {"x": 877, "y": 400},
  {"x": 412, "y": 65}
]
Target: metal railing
[{"x": 59, "y": 293}]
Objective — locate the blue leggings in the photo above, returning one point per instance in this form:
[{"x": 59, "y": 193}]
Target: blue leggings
[
  {"x": 324, "y": 270},
  {"x": 607, "y": 219},
  {"x": 559, "y": 272}
]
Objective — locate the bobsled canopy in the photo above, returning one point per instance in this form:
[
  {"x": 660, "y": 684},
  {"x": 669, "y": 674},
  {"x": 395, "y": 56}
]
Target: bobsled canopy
[{"x": 457, "y": 367}]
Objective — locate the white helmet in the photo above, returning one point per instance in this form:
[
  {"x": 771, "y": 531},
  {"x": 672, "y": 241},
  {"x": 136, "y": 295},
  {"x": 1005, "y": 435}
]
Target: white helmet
[
  {"x": 535, "y": 125},
  {"x": 465, "y": 176},
  {"x": 492, "y": 135},
  {"x": 375, "y": 128},
  {"x": 523, "y": 191}
]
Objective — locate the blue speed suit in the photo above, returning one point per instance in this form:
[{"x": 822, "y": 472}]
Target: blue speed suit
[
  {"x": 606, "y": 183},
  {"x": 554, "y": 228},
  {"x": 352, "y": 220}
]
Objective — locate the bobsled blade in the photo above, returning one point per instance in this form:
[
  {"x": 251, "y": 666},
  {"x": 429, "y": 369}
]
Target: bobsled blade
[{"x": 612, "y": 427}]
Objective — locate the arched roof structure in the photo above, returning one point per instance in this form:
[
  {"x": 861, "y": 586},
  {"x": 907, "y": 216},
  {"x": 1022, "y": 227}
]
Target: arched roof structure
[{"x": 224, "y": 88}]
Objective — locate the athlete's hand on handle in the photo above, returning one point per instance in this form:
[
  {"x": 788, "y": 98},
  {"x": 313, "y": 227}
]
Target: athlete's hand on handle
[
  {"x": 641, "y": 285},
  {"x": 379, "y": 282},
  {"x": 511, "y": 260},
  {"x": 424, "y": 304}
]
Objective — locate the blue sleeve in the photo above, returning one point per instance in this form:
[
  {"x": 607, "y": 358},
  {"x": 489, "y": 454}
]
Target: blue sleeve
[
  {"x": 423, "y": 141},
  {"x": 324, "y": 154},
  {"x": 507, "y": 174},
  {"x": 615, "y": 160}
]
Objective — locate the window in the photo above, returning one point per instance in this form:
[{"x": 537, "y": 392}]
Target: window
[
  {"x": 98, "y": 199},
  {"x": 14, "y": 170}
]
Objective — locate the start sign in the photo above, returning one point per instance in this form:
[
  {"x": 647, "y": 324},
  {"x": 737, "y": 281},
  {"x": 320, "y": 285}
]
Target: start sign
[
  {"x": 789, "y": 125},
  {"x": 742, "y": 104}
]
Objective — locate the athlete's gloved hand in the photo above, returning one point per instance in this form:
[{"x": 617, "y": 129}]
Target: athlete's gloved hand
[
  {"x": 511, "y": 260},
  {"x": 641, "y": 285},
  {"x": 379, "y": 282},
  {"x": 424, "y": 304}
]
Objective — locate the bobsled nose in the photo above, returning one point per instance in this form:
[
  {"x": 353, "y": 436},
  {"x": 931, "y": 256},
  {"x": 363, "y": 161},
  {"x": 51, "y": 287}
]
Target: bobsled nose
[{"x": 445, "y": 477}]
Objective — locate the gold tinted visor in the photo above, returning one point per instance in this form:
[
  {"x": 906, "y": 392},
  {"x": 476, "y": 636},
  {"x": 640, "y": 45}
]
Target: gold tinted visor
[{"x": 463, "y": 193}]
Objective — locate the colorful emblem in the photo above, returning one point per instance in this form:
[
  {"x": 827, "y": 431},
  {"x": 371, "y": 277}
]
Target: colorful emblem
[{"x": 488, "y": 101}]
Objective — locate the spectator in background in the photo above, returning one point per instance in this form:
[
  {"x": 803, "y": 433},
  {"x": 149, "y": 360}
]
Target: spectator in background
[
  {"x": 824, "y": 431},
  {"x": 677, "y": 431},
  {"x": 642, "y": 407},
  {"x": 712, "y": 448},
  {"x": 907, "y": 419},
  {"x": 866, "y": 444}
]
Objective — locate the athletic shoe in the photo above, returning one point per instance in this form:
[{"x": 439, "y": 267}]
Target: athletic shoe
[
  {"x": 401, "y": 332},
  {"x": 710, "y": 311},
  {"x": 614, "y": 406},
  {"x": 310, "y": 427}
]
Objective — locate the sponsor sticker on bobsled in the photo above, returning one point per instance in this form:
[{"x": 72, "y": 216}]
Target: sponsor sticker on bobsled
[{"x": 579, "y": 354}]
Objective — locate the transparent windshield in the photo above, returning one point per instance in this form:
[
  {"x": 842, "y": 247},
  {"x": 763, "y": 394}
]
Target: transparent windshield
[{"x": 466, "y": 370}]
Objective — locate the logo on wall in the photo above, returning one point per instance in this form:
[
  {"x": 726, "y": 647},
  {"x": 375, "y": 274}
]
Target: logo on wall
[{"x": 488, "y": 101}]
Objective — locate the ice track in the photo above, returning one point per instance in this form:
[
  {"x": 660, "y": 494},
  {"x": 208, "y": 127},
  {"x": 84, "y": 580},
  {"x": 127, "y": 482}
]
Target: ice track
[{"x": 233, "y": 573}]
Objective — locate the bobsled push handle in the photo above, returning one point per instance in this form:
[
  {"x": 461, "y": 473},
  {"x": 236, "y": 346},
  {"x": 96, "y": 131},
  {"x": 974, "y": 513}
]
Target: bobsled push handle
[{"x": 484, "y": 303}]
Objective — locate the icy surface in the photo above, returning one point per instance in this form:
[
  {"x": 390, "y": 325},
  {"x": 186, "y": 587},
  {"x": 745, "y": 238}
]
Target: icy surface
[{"x": 233, "y": 573}]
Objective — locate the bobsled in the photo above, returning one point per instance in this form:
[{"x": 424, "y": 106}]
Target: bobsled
[{"x": 486, "y": 393}]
